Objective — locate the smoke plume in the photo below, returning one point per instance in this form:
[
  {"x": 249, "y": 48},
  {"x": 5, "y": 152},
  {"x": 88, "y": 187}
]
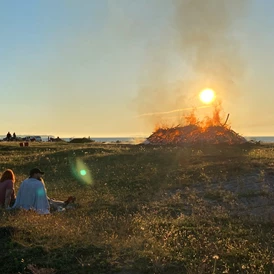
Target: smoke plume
[{"x": 203, "y": 36}]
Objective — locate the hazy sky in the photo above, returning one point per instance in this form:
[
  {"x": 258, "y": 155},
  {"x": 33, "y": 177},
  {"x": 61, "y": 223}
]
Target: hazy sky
[{"x": 93, "y": 67}]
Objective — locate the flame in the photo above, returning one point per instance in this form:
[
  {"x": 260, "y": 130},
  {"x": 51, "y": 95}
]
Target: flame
[
  {"x": 215, "y": 120},
  {"x": 191, "y": 119},
  {"x": 210, "y": 130}
]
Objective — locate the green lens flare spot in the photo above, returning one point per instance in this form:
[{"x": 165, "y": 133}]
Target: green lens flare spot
[{"x": 83, "y": 172}]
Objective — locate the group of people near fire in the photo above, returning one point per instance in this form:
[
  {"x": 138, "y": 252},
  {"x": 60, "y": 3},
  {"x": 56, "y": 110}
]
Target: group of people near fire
[{"x": 31, "y": 195}]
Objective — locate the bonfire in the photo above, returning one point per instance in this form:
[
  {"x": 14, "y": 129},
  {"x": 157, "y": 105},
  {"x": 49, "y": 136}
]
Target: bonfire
[{"x": 208, "y": 131}]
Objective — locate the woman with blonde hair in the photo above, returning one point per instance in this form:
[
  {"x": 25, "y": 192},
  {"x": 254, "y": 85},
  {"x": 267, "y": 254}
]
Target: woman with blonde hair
[{"x": 7, "y": 194}]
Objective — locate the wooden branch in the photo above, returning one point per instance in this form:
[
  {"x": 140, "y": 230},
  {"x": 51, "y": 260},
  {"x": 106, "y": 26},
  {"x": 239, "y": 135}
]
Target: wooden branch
[{"x": 226, "y": 120}]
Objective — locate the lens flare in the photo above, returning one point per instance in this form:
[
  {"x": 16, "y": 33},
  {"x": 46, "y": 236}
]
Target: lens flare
[
  {"x": 81, "y": 172},
  {"x": 207, "y": 96},
  {"x": 40, "y": 192}
]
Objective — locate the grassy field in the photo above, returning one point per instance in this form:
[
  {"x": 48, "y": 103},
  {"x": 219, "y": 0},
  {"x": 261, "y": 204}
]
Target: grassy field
[{"x": 143, "y": 209}]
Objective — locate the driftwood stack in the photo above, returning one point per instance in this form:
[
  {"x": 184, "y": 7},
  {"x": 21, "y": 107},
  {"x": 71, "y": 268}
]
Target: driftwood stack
[{"x": 194, "y": 134}]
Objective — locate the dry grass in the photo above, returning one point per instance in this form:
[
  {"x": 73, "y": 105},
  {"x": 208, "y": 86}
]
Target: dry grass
[{"x": 145, "y": 210}]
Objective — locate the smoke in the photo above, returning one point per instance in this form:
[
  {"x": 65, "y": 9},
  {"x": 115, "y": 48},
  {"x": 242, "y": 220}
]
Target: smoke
[
  {"x": 206, "y": 34},
  {"x": 202, "y": 38}
]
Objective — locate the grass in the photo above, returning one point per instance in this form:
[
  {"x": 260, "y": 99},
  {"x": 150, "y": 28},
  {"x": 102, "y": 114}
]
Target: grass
[{"x": 145, "y": 209}]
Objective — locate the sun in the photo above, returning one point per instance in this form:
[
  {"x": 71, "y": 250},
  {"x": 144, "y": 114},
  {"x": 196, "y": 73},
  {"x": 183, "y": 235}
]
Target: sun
[{"x": 207, "y": 96}]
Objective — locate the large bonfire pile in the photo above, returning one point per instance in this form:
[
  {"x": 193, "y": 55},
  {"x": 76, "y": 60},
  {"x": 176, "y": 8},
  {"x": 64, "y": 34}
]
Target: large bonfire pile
[{"x": 208, "y": 131}]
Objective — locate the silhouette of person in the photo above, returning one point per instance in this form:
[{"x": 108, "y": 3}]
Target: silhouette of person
[
  {"x": 14, "y": 136},
  {"x": 8, "y": 136}
]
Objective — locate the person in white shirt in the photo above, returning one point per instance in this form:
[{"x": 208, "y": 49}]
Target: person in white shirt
[{"x": 32, "y": 193}]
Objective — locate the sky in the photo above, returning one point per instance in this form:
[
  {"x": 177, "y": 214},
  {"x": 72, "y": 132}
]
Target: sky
[{"x": 119, "y": 68}]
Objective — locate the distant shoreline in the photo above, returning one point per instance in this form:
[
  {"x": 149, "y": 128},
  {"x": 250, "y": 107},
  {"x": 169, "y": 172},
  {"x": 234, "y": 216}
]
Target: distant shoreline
[
  {"x": 264, "y": 139},
  {"x": 97, "y": 139}
]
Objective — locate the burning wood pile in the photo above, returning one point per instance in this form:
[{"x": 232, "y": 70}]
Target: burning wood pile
[{"x": 210, "y": 131}]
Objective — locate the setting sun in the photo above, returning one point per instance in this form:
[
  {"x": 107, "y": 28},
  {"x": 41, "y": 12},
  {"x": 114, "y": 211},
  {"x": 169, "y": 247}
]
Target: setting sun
[{"x": 207, "y": 96}]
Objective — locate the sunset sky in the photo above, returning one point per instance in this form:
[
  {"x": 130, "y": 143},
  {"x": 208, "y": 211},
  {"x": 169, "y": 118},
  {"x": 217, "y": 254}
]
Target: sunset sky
[{"x": 75, "y": 68}]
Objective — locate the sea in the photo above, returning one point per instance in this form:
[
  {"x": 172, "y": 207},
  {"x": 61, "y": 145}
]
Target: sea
[
  {"x": 97, "y": 139},
  {"x": 138, "y": 140},
  {"x": 262, "y": 139}
]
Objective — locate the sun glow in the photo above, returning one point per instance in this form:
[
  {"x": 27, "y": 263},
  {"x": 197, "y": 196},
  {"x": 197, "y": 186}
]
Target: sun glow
[{"x": 207, "y": 96}]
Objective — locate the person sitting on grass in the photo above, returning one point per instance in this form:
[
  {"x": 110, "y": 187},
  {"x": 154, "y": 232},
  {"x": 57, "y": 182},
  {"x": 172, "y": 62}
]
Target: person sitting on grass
[
  {"x": 32, "y": 194},
  {"x": 7, "y": 193}
]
